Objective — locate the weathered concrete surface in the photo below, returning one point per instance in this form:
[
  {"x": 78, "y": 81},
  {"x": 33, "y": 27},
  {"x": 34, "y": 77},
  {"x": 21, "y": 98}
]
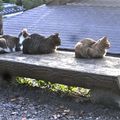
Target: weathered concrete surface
[{"x": 63, "y": 67}]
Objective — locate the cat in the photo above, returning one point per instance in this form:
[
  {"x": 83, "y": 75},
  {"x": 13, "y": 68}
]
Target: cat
[
  {"x": 82, "y": 46},
  {"x": 9, "y": 44},
  {"x": 38, "y": 44},
  {"x": 89, "y": 48}
]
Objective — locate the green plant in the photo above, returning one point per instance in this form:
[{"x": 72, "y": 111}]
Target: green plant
[
  {"x": 12, "y": 1},
  {"x": 6, "y": 1},
  {"x": 1, "y": 7},
  {"x": 59, "y": 88},
  {"x": 19, "y": 2},
  {"x": 28, "y": 4}
]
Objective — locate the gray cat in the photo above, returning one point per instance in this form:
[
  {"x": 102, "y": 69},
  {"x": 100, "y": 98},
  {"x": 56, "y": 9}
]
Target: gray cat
[
  {"x": 38, "y": 44},
  {"x": 9, "y": 44}
]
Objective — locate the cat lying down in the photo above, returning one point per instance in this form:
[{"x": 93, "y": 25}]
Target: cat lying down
[
  {"x": 89, "y": 48},
  {"x": 9, "y": 44},
  {"x": 38, "y": 44}
]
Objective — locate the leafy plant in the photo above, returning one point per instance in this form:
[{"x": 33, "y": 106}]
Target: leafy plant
[
  {"x": 59, "y": 88},
  {"x": 12, "y": 1},
  {"x": 28, "y": 4},
  {"x": 1, "y": 7},
  {"x": 6, "y": 1}
]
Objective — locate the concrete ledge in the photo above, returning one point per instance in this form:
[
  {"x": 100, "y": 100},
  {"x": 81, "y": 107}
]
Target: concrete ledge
[
  {"x": 62, "y": 67},
  {"x": 102, "y": 76}
]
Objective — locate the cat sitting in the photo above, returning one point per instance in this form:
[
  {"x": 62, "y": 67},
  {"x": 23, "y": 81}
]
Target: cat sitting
[
  {"x": 38, "y": 44},
  {"x": 89, "y": 48},
  {"x": 9, "y": 44}
]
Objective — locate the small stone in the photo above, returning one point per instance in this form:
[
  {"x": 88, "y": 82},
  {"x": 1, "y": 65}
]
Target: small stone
[
  {"x": 25, "y": 112},
  {"x": 18, "y": 106},
  {"x": 56, "y": 116},
  {"x": 117, "y": 118},
  {"x": 67, "y": 111},
  {"x": 13, "y": 99},
  {"x": 28, "y": 116},
  {"x": 14, "y": 113},
  {"x": 35, "y": 113},
  {"x": 64, "y": 113}
]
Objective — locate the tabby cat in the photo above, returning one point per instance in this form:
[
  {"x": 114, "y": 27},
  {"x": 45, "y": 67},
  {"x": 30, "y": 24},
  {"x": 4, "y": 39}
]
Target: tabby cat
[
  {"x": 38, "y": 44},
  {"x": 9, "y": 44},
  {"x": 89, "y": 48}
]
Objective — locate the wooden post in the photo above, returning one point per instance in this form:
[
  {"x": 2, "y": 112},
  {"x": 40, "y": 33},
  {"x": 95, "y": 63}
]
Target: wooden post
[{"x": 1, "y": 24}]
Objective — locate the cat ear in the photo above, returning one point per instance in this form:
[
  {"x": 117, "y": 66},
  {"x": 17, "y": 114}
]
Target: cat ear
[
  {"x": 24, "y": 30},
  {"x": 56, "y": 34},
  {"x": 104, "y": 38}
]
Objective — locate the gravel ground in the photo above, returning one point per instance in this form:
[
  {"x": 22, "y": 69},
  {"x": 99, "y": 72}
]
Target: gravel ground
[{"x": 26, "y": 103}]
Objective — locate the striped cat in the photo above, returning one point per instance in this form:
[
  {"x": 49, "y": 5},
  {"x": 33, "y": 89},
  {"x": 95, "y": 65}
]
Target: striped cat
[
  {"x": 9, "y": 44},
  {"x": 89, "y": 48},
  {"x": 38, "y": 44}
]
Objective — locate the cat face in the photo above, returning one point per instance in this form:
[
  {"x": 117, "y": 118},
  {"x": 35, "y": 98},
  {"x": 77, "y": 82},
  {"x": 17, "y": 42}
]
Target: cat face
[
  {"x": 56, "y": 39},
  {"x": 105, "y": 42},
  {"x": 24, "y": 34}
]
